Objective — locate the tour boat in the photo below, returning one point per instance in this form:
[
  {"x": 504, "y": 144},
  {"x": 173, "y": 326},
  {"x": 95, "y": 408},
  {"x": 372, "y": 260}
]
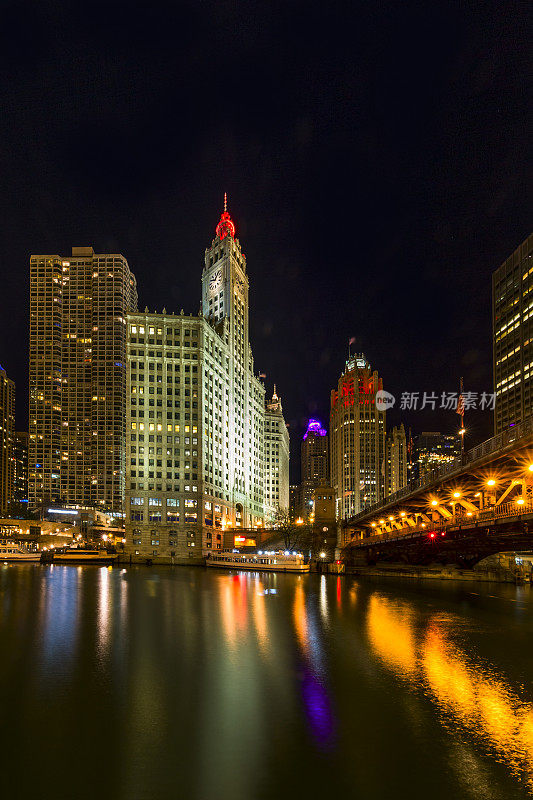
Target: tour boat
[
  {"x": 82, "y": 555},
  {"x": 12, "y": 552},
  {"x": 259, "y": 562}
]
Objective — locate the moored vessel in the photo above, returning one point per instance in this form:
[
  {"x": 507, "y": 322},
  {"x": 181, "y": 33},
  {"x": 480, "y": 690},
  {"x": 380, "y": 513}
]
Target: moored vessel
[
  {"x": 262, "y": 561},
  {"x": 12, "y": 552},
  {"x": 82, "y": 555}
]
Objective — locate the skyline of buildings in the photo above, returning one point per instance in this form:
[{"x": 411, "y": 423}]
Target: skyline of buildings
[{"x": 77, "y": 436}]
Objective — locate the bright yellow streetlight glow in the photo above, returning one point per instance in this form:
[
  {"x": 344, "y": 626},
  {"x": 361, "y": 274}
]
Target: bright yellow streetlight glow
[
  {"x": 491, "y": 482},
  {"x": 462, "y": 431},
  {"x": 434, "y": 502},
  {"x": 322, "y": 555},
  {"x": 457, "y": 494},
  {"x": 299, "y": 521},
  {"x": 423, "y": 524},
  {"x": 373, "y": 524},
  {"x": 402, "y": 513},
  {"x": 391, "y": 518},
  {"x": 382, "y": 522},
  {"x": 520, "y": 501}
]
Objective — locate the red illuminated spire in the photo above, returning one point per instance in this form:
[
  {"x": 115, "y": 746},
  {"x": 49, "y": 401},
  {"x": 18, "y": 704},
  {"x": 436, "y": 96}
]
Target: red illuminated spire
[{"x": 226, "y": 224}]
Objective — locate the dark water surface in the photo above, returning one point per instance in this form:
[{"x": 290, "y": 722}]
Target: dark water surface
[{"x": 189, "y": 683}]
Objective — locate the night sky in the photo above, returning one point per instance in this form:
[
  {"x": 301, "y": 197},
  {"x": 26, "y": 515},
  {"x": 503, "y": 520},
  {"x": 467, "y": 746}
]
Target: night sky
[{"x": 375, "y": 157}]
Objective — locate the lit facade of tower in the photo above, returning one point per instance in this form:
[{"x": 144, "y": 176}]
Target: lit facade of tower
[
  {"x": 225, "y": 289},
  {"x": 357, "y": 439},
  {"x": 196, "y": 419},
  {"x": 314, "y": 455},
  {"x": 512, "y": 325},
  {"x": 7, "y": 441},
  {"x": 395, "y": 460},
  {"x": 78, "y": 307},
  {"x": 276, "y": 460}
]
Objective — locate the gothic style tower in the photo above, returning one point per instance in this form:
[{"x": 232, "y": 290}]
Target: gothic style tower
[{"x": 225, "y": 304}]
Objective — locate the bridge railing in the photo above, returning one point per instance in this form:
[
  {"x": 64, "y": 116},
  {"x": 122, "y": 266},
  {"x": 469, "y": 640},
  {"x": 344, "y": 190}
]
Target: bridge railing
[
  {"x": 512, "y": 509},
  {"x": 498, "y": 442}
]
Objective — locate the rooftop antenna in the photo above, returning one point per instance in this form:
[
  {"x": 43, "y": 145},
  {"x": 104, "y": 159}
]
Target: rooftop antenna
[{"x": 225, "y": 201}]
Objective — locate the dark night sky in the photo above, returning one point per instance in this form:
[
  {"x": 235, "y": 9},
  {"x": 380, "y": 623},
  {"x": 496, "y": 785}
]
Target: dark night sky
[{"x": 375, "y": 156}]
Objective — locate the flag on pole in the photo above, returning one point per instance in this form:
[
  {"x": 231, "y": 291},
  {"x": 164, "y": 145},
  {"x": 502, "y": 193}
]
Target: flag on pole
[
  {"x": 352, "y": 340},
  {"x": 262, "y": 374}
]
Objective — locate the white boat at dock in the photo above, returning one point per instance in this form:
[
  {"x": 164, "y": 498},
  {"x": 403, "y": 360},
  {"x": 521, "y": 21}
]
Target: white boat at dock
[
  {"x": 12, "y": 552},
  {"x": 258, "y": 562}
]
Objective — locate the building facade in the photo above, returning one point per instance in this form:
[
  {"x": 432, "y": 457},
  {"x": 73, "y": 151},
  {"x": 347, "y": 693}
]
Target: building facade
[
  {"x": 357, "y": 439},
  {"x": 7, "y": 441},
  {"x": 77, "y": 377},
  {"x": 314, "y": 460},
  {"x": 433, "y": 450},
  {"x": 276, "y": 461},
  {"x": 196, "y": 454},
  {"x": 396, "y": 460},
  {"x": 20, "y": 477},
  {"x": 512, "y": 325}
]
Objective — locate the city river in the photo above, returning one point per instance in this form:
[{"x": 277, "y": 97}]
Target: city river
[{"x": 189, "y": 683}]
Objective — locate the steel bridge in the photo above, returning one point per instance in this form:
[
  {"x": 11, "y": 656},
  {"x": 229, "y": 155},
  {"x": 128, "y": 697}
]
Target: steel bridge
[{"x": 478, "y": 505}]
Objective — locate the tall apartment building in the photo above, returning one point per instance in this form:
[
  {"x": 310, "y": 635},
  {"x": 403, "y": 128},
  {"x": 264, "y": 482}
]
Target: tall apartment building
[
  {"x": 20, "y": 476},
  {"x": 77, "y": 377},
  {"x": 314, "y": 460},
  {"x": 396, "y": 459},
  {"x": 357, "y": 439},
  {"x": 512, "y": 324},
  {"x": 276, "y": 460},
  {"x": 434, "y": 450},
  {"x": 196, "y": 418},
  {"x": 7, "y": 440}
]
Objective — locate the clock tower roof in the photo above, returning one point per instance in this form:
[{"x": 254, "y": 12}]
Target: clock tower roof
[{"x": 226, "y": 225}]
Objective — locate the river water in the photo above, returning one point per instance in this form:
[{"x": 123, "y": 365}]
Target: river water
[{"x": 189, "y": 683}]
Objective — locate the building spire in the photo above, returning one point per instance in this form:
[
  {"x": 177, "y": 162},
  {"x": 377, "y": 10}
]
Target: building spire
[{"x": 226, "y": 224}]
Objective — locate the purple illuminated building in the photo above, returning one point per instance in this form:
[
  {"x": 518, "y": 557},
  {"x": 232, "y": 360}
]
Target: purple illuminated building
[
  {"x": 315, "y": 427},
  {"x": 315, "y": 465}
]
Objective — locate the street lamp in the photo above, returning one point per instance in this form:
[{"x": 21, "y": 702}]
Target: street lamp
[{"x": 322, "y": 555}]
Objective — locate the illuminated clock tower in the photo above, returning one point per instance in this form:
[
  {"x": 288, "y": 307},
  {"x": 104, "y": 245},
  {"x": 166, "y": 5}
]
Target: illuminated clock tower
[{"x": 225, "y": 304}]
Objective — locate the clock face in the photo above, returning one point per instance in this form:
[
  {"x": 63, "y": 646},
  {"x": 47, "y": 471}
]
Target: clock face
[{"x": 216, "y": 280}]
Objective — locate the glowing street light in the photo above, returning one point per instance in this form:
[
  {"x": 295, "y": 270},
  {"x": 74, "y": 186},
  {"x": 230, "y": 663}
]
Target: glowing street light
[
  {"x": 492, "y": 482},
  {"x": 322, "y": 555},
  {"x": 530, "y": 468},
  {"x": 434, "y": 502},
  {"x": 457, "y": 494},
  {"x": 520, "y": 501}
]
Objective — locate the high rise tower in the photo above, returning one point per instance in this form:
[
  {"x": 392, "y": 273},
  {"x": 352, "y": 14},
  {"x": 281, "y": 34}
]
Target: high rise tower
[
  {"x": 276, "y": 460},
  {"x": 357, "y": 439},
  {"x": 225, "y": 303},
  {"x": 512, "y": 325},
  {"x": 7, "y": 440},
  {"x": 315, "y": 465},
  {"x": 78, "y": 307}
]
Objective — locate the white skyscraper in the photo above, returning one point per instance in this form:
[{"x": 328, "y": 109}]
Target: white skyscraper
[{"x": 196, "y": 418}]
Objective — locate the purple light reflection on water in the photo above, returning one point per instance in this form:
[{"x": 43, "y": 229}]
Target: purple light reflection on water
[
  {"x": 315, "y": 426},
  {"x": 318, "y": 710}
]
